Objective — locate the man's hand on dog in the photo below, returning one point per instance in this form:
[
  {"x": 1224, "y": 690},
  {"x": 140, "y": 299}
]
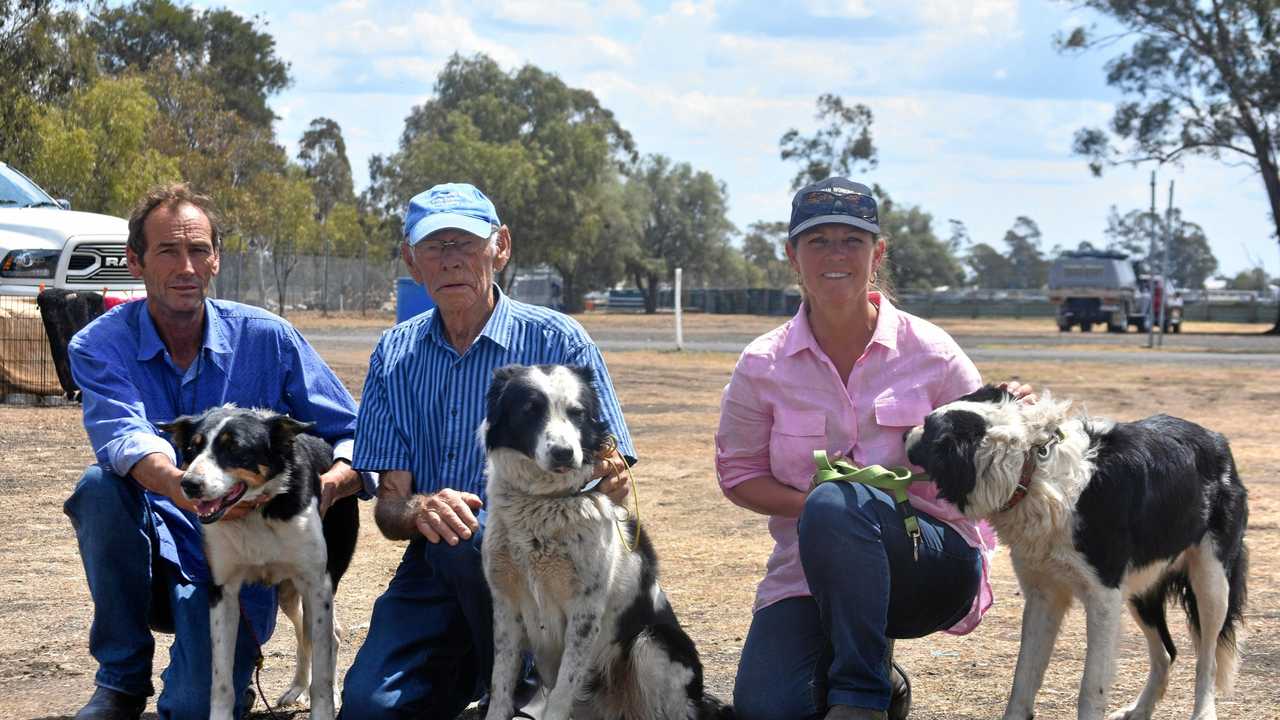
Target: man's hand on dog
[
  {"x": 338, "y": 482},
  {"x": 447, "y": 515},
  {"x": 611, "y": 469}
]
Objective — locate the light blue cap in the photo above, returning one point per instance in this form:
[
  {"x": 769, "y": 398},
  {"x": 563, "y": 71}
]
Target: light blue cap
[{"x": 449, "y": 205}]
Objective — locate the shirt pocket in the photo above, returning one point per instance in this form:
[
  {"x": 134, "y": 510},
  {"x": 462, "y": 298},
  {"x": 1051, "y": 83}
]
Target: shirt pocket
[
  {"x": 796, "y": 434},
  {"x": 896, "y": 413}
]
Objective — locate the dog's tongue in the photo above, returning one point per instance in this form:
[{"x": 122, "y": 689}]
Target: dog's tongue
[{"x": 215, "y": 508}]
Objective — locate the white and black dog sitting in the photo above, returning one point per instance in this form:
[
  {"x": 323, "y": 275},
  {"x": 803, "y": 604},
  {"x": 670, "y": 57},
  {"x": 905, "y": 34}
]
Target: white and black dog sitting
[
  {"x": 233, "y": 455},
  {"x": 565, "y": 584},
  {"x": 1107, "y": 512}
]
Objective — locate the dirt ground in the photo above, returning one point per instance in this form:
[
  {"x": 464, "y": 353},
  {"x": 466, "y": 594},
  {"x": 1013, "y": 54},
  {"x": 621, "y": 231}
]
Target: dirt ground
[{"x": 713, "y": 552}]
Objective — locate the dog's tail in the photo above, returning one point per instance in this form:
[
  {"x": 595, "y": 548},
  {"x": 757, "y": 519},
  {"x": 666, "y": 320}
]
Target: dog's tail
[{"x": 1228, "y": 651}]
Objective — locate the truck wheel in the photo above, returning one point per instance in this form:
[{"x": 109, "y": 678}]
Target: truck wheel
[
  {"x": 1086, "y": 327},
  {"x": 1064, "y": 327},
  {"x": 1113, "y": 328},
  {"x": 1177, "y": 328},
  {"x": 1144, "y": 325}
]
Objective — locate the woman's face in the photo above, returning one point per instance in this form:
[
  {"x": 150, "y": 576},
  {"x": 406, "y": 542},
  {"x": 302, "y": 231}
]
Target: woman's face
[{"x": 836, "y": 262}]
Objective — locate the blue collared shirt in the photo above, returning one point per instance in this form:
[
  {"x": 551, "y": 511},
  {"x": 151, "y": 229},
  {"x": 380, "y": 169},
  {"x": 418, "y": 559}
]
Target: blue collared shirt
[
  {"x": 423, "y": 402},
  {"x": 248, "y": 357}
]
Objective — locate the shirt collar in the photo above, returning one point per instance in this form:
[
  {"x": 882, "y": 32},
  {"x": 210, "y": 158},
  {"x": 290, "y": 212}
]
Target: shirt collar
[
  {"x": 886, "y": 333},
  {"x": 498, "y": 328},
  {"x": 216, "y": 340}
]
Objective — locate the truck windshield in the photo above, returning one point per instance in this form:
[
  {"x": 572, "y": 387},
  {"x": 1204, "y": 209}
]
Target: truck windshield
[{"x": 17, "y": 190}]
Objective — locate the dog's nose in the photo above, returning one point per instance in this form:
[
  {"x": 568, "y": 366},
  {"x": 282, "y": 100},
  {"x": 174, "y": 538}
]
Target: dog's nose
[
  {"x": 562, "y": 455},
  {"x": 191, "y": 488}
]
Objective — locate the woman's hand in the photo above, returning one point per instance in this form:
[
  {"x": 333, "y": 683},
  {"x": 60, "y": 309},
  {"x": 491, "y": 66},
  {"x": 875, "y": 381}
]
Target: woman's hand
[{"x": 1023, "y": 392}]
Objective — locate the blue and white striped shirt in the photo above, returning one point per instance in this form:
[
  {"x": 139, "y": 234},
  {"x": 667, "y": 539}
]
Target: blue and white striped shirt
[{"x": 423, "y": 401}]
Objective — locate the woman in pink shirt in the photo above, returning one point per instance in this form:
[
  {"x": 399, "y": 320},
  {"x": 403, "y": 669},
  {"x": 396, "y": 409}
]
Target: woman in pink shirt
[{"x": 848, "y": 374}]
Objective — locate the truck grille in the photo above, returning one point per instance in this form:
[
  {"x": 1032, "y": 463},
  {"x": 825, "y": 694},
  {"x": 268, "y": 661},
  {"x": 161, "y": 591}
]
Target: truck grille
[{"x": 96, "y": 263}]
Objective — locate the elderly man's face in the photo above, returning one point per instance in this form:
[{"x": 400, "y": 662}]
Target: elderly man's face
[{"x": 457, "y": 268}]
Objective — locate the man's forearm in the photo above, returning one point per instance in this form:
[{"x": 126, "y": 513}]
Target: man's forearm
[
  {"x": 396, "y": 515},
  {"x": 158, "y": 474}
]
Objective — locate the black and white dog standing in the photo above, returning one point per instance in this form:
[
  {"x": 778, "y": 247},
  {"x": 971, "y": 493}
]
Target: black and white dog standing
[
  {"x": 1141, "y": 512},
  {"x": 564, "y": 583},
  {"x": 232, "y": 455}
]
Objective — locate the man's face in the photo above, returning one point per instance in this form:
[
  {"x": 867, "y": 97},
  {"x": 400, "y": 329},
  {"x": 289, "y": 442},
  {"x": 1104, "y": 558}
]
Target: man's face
[
  {"x": 180, "y": 260},
  {"x": 457, "y": 268}
]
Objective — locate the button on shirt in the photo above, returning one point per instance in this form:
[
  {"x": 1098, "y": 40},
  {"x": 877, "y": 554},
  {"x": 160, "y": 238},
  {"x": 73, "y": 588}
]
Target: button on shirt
[
  {"x": 423, "y": 402},
  {"x": 248, "y": 357},
  {"x": 786, "y": 400}
]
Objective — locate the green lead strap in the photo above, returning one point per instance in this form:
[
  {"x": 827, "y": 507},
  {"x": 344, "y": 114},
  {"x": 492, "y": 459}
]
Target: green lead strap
[{"x": 895, "y": 480}]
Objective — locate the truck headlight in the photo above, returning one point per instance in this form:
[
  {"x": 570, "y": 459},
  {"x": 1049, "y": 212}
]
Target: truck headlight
[{"x": 30, "y": 264}]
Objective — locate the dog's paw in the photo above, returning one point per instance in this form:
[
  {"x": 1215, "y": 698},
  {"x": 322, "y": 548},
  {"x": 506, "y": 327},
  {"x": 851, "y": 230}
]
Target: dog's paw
[
  {"x": 1131, "y": 713},
  {"x": 295, "y": 694}
]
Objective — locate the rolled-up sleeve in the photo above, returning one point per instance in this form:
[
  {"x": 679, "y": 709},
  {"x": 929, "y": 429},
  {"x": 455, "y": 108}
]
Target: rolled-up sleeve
[
  {"x": 114, "y": 414},
  {"x": 589, "y": 356},
  {"x": 742, "y": 439}
]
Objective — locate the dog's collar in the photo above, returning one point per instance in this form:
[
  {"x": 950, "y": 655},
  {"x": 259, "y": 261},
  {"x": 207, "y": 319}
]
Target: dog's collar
[{"x": 1036, "y": 453}]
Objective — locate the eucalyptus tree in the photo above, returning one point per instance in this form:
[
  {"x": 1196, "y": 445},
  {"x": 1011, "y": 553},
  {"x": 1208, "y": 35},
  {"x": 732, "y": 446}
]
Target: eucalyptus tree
[{"x": 1199, "y": 78}]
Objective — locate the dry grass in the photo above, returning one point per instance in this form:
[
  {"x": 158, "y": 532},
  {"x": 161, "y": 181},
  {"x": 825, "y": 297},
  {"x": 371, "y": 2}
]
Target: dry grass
[{"x": 713, "y": 552}]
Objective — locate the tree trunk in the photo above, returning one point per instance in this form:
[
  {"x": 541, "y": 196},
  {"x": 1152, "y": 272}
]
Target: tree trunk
[
  {"x": 570, "y": 292},
  {"x": 651, "y": 295}
]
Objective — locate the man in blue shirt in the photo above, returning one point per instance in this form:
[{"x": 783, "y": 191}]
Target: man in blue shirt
[
  {"x": 429, "y": 651},
  {"x": 143, "y": 363}
]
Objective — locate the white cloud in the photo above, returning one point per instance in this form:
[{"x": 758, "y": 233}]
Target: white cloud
[
  {"x": 986, "y": 18},
  {"x": 850, "y": 9}
]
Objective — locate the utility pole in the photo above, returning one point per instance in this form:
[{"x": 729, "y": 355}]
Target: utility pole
[
  {"x": 1164, "y": 264},
  {"x": 1151, "y": 258}
]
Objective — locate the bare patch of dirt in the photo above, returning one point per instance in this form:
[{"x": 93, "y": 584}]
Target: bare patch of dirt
[{"x": 713, "y": 552}]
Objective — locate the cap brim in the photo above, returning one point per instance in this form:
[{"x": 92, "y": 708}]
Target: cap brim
[
  {"x": 442, "y": 221},
  {"x": 839, "y": 219}
]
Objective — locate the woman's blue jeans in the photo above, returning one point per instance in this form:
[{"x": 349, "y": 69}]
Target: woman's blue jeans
[{"x": 804, "y": 654}]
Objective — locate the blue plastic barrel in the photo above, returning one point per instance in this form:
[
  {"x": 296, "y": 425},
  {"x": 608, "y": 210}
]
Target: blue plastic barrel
[{"x": 411, "y": 299}]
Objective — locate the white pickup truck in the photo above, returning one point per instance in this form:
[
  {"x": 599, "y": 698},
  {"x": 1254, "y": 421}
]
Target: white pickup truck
[{"x": 44, "y": 243}]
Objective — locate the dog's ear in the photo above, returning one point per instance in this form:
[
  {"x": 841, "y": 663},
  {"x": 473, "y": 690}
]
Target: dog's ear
[
  {"x": 988, "y": 394},
  {"x": 502, "y": 377},
  {"x": 586, "y": 374},
  {"x": 283, "y": 429},
  {"x": 179, "y": 429},
  {"x": 960, "y": 474}
]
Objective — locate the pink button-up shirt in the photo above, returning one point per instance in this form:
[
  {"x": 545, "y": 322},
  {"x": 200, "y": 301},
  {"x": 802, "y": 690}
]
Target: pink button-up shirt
[{"x": 786, "y": 400}]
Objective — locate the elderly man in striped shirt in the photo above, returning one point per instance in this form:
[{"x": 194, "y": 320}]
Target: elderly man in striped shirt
[{"x": 429, "y": 651}]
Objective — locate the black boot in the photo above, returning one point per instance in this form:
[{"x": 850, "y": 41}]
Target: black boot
[
  {"x": 108, "y": 704},
  {"x": 900, "y": 697}
]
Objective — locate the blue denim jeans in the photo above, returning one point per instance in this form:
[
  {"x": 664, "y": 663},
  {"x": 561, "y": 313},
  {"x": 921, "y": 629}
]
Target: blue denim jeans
[
  {"x": 804, "y": 654},
  {"x": 122, "y": 565},
  {"x": 429, "y": 651}
]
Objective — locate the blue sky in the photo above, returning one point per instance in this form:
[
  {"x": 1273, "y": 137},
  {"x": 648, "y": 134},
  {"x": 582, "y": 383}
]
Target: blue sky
[{"x": 974, "y": 109}]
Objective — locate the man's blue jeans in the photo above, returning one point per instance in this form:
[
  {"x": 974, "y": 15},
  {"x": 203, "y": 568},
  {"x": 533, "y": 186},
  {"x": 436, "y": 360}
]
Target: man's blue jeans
[
  {"x": 429, "y": 651},
  {"x": 118, "y": 546},
  {"x": 804, "y": 654}
]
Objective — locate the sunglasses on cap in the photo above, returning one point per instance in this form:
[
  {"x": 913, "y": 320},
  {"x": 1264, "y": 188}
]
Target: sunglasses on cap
[{"x": 825, "y": 202}]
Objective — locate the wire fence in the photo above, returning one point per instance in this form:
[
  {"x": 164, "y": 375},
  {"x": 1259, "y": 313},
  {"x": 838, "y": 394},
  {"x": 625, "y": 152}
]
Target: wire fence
[
  {"x": 349, "y": 284},
  {"x": 27, "y": 371}
]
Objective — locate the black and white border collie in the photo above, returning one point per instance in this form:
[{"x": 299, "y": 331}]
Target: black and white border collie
[
  {"x": 603, "y": 636},
  {"x": 232, "y": 455},
  {"x": 1106, "y": 512}
]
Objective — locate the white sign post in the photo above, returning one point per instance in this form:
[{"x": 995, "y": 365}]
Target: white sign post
[{"x": 679, "y": 314}]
